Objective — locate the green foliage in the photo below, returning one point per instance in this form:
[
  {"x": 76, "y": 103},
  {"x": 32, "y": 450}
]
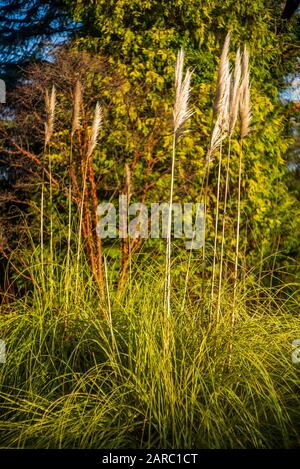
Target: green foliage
[
  {"x": 84, "y": 388},
  {"x": 141, "y": 40}
]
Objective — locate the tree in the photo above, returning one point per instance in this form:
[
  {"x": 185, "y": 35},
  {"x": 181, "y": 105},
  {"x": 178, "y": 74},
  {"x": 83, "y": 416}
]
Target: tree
[
  {"x": 290, "y": 8},
  {"x": 142, "y": 38},
  {"x": 26, "y": 29},
  {"x": 139, "y": 41}
]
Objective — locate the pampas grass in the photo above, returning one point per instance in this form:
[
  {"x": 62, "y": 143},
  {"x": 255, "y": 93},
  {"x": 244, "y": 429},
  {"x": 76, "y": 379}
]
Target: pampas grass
[
  {"x": 245, "y": 111},
  {"x": 219, "y": 133},
  {"x": 221, "y": 126},
  {"x": 223, "y": 123},
  {"x": 233, "y": 114},
  {"x": 50, "y": 102},
  {"x": 76, "y": 118},
  {"x": 235, "y": 93},
  {"x": 97, "y": 122},
  {"x": 222, "y": 77},
  {"x": 245, "y": 118},
  {"x": 98, "y": 117},
  {"x": 125, "y": 378},
  {"x": 77, "y": 101},
  {"x": 181, "y": 113}
]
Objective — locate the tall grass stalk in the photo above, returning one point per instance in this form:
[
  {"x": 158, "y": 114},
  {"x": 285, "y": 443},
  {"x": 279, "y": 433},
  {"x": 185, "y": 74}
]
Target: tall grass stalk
[
  {"x": 233, "y": 114},
  {"x": 50, "y": 102},
  {"x": 42, "y": 226},
  {"x": 181, "y": 113},
  {"x": 128, "y": 193},
  {"x": 97, "y": 122},
  {"x": 167, "y": 301},
  {"x": 222, "y": 101},
  {"x": 109, "y": 313},
  {"x": 219, "y": 133},
  {"x": 245, "y": 118},
  {"x": 215, "y": 235},
  {"x": 77, "y": 101}
]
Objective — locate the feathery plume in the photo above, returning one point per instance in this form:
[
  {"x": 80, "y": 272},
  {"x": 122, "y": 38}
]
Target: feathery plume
[
  {"x": 216, "y": 139},
  {"x": 128, "y": 179},
  {"x": 222, "y": 122},
  {"x": 98, "y": 117},
  {"x": 223, "y": 72},
  {"x": 245, "y": 108},
  {"x": 245, "y": 62},
  {"x": 235, "y": 93},
  {"x": 77, "y": 99},
  {"x": 50, "y": 102},
  {"x": 181, "y": 110},
  {"x": 224, "y": 104}
]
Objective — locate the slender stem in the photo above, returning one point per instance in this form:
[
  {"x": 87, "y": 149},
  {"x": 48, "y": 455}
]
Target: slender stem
[
  {"x": 108, "y": 302},
  {"x": 42, "y": 229},
  {"x": 244, "y": 256},
  {"x": 128, "y": 240},
  {"x": 203, "y": 249},
  {"x": 216, "y": 235},
  {"x": 232, "y": 316},
  {"x": 237, "y": 239},
  {"x": 274, "y": 261},
  {"x": 167, "y": 302},
  {"x": 186, "y": 278},
  {"x": 51, "y": 224},
  {"x": 80, "y": 225},
  {"x": 69, "y": 232},
  {"x": 99, "y": 268},
  {"x": 261, "y": 264},
  {"x": 223, "y": 231},
  {"x": 190, "y": 253}
]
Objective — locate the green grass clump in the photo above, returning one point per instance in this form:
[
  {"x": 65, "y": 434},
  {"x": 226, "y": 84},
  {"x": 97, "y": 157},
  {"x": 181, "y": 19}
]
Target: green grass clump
[{"x": 151, "y": 380}]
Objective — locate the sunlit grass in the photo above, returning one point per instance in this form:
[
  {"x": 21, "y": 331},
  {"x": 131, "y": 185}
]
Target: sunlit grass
[{"x": 88, "y": 388}]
